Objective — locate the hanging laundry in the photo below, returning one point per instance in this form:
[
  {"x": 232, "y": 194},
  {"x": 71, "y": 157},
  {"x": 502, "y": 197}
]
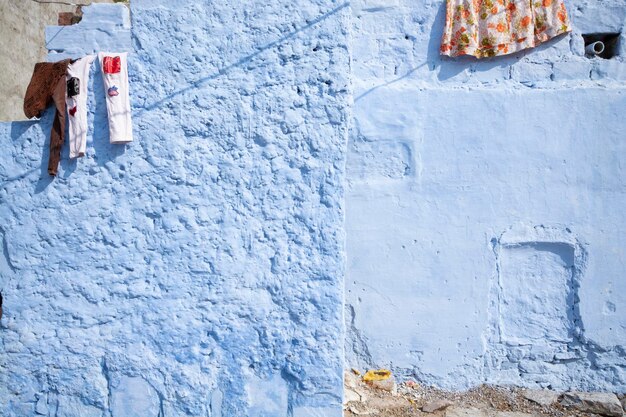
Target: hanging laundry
[
  {"x": 115, "y": 75},
  {"x": 485, "y": 28},
  {"x": 76, "y": 99},
  {"x": 48, "y": 85}
]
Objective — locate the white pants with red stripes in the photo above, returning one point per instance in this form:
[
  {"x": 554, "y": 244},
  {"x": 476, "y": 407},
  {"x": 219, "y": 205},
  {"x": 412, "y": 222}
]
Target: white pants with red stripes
[{"x": 115, "y": 75}]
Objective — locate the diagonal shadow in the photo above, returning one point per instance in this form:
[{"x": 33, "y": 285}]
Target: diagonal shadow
[
  {"x": 243, "y": 60},
  {"x": 433, "y": 59},
  {"x": 395, "y": 80},
  {"x": 449, "y": 67}
]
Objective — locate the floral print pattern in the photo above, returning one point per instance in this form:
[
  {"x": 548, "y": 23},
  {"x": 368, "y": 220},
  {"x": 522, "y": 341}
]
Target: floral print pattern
[{"x": 485, "y": 28}]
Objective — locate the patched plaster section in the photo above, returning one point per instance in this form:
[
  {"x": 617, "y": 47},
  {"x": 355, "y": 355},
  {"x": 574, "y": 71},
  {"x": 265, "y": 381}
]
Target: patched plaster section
[
  {"x": 534, "y": 312},
  {"x": 134, "y": 397}
]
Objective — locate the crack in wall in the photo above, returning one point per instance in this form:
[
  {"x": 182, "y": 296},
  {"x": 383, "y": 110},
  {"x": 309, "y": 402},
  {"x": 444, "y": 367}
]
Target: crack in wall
[
  {"x": 161, "y": 400},
  {"x": 5, "y": 250},
  {"x": 356, "y": 347},
  {"x": 107, "y": 376}
]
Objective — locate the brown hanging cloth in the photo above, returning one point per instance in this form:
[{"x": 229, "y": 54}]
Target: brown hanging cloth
[{"x": 48, "y": 85}]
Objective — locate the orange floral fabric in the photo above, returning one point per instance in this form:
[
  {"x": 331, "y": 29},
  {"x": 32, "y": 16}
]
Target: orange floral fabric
[{"x": 485, "y": 28}]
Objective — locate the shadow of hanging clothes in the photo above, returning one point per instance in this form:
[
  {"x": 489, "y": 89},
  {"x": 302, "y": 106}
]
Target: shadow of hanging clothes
[
  {"x": 67, "y": 165},
  {"x": 19, "y": 128},
  {"x": 21, "y": 133},
  {"x": 448, "y": 67},
  {"x": 45, "y": 123}
]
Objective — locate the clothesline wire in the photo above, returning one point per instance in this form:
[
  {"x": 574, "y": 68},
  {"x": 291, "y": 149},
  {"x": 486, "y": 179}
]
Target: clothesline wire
[
  {"x": 67, "y": 3},
  {"x": 55, "y": 35}
]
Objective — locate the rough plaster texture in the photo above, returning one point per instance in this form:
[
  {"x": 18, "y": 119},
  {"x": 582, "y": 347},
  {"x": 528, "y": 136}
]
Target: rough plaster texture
[
  {"x": 22, "y": 44},
  {"x": 485, "y": 229},
  {"x": 199, "y": 270}
]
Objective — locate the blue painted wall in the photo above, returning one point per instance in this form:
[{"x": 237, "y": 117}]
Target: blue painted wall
[
  {"x": 485, "y": 220},
  {"x": 199, "y": 270}
]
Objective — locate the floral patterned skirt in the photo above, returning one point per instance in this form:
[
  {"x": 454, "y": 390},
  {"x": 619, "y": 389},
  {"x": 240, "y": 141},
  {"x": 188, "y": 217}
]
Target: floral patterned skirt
[{"x": 485, "y": 28}]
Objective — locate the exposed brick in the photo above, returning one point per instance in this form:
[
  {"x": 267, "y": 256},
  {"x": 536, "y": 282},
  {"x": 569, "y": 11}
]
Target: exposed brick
[
  {"x": 70, "y": 18},
  {"x": 65, "y": 18}
]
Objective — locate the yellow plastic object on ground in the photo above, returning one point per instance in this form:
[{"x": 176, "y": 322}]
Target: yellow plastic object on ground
[{"x": 377, "y": 375}]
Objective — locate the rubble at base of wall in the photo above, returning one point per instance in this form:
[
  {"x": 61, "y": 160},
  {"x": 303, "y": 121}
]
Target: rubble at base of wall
[{"x": 413, "y": 399}]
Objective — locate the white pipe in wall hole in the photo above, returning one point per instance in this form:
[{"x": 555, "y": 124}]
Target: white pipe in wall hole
[{"x": 595, "y": 48}]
